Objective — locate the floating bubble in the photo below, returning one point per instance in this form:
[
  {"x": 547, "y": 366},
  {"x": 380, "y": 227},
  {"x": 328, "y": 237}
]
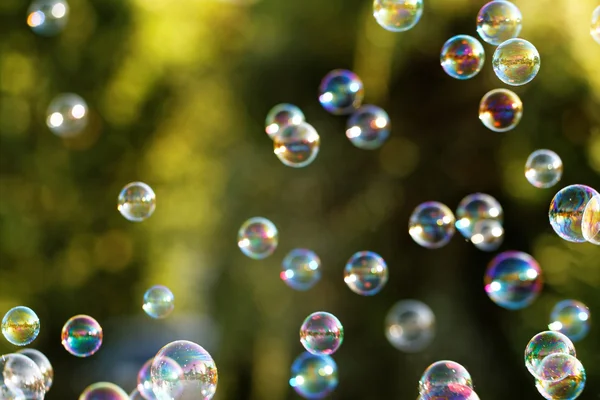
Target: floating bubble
[
  {"x": 431, "y": 225},
  {"x": 368, "y": 128},
  {"x": 314, "y": 376},
  {"x": 321, "y": 333},
  {"x": 542, "y": 345},
  {"x": 103, "y": 391},
  {"x": 543, "y": 168},
  {"x": 397, "y": 15},
  {"x": 488, "y": 235},
  {"x": 444, "y": 373},
  {"x": 48, "y": 17},
  {"x": 462, "y": 57},
  {"x": 258, "y": 238},
  {"x": 183, "y": 369},
  {"x": 136, "y": 202},
  {"x": 500, "y": 110},
  {"x": 341, "y": 92},
  {"x": 567, "y": 211},
  {"x": 571, "y": 318},
  {"x": 450, "y": 392},
  {"x": 159, "y": 302},
  {"x": 281, "y": 116},
  {"x": 499, "y": 21},
  {"x": 67, "y": 115},
  {"x": 43, "y": 364},
  {"x": 82, "y": 336},
  {"x": 516, "y": 62},
  {"x": 366, "y": 273},
  {"x": 21, "y": 378},
  {"x": 595, "y": 28},
  {"x": 297, "y": 145},
  {"x": 301, "y": 269},
  {"x": 561, "y": 376},
  {"x": 590, "y": 222},
  {"x": 144, "y": 381},
  {"x": 410, "y": 326},
  {"x": 476, "y": 207},
  {"x": 20, "y": 326}
]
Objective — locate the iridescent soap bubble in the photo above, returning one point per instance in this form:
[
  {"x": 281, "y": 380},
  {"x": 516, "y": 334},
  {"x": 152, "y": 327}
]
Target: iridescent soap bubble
[
  {"x": 301, "y": 269},
  {"x": 297, "y": 145},
  {"x": 561, "y": 376},
  {"x": 542, "y": 345},
  {"x": 282, "y": 115},
  {"x": 543, "y": 168},
  {"x": 499, "y": 21},
  {"x": 314, "y": 376},
  {"x": 595, "y": 28},
  {"x": 516, "y": 62},
  {"x": 462, "y": 57},
  {"x": 67, "y": 115},
  {"x": 571, "y": 318},
  {"x": 341, "y": 92},
  {"x": 567, "y": 210},
  {"x": 258, "y": 238},
  {"x": 431, "y": 225},
  {"x": 397, "y": 15},
  {"x": 48, "y": 17},
  {"x": 500, "y": 110},
  {"x": 82, "y": 336},
  {"x": 488, "y": 235},
  {"x": 450, "y": 392},
  {"x": 144, "y": 381},
  {"x": 513, "y": 280},
  {"x": 368, "y": 128},
  {"x": 20, "y": 326},
  {"x": 103, "y": 391},
  {"x": 590, "y": 222},
  {"x": 476, "y": 207},
  {"x": 21, "y": 378},
  {"x": 410, "y": 326},
  {"x": 183, "y": 369},
  {"x": 159, "y": 302},
  {"x": 321, "y": 333},
  {"x": 136, "y": 201},
  {"x": 366, "y": 273},
  {"x": 43, "y": 364},
  {"x": 444, "y": 373}
]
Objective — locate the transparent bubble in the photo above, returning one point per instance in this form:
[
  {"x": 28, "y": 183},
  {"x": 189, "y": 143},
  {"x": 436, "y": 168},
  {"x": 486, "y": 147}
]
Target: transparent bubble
[
  {"x": 410, "y": 326},
  {"x": 499, "y": 21},
  {"x": 184, "y": 370},
  {"x": 43, "y": 364},
  {"x": 301, "y": 269},
  {"x": 67, "y": 115},
  {"x": 513, "y": 280},
  {"x": 281, "y": 116},
  {"x": 488, "y": 234},
  {"x": 444, "y": 373},
  {"x": 476, "y": 207},
  {"x": 341, "y": 92},
  {"x": 321, "y": 333},
  {"x": 368, "y": 128},
  {"x": 82, "y": 336},
  {"x": 516, "y": 62},
  {"x": 595, "y": 28},
  {"x": 450, "y": 392},
  {"x": 297, "y": 145},
  {"x": 20, "y": 326},
  {"x": 590, "y": 222},
  {"x": 397, "y": 15},
  {"x": 20, "y": 377},
  {"x": 543, "y": 168},
  {"x": 500, "y": 110},
  {"x": 159, "y": 302},
  {"x": 567, "y": 210},
  {"x": 103, "y": 391},
  {"x": 571, "y": 318},
  {"x": 556, "y": 367},
  {"x": 137, "y": 201},
  {"x": 144, "y": 381},
  {"x": 562, "y": 376},
  {"x": 48, "y": 17},
  {"x": 462, "y": 57},
  {"x": 314, "y": 376},
  {"x": 542, "y": 345},
  {"x": 431, "y": 225},
  {"x": 258, "y": 238},
  {"x": 366, "y": 273}
]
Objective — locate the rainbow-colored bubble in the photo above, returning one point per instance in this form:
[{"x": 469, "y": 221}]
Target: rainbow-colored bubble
[{"x": 82, "y": 336}]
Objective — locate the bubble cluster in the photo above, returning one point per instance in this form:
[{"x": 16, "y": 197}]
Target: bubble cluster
[
  {"x": 500, "y": 110},
  {"x": 397, "y": 15},
  {"x": 431, "y": 225},
  {"x": 476, "y": 207},
  {"x": 43, "y": 364},
  {"x": 410, "y": 326},
  {"x": 48, "y": 17},
  {"x": 20, "y": 378},
  {"x": 488, "y": 234},
  {"x": 67, "y": 115},
  {"x": 542, "y": 345},
  {"x": 341, "y": 92},
  {"x": 321, "y": 333},
  {"x": 366, "y": 273},
  {"x": 590, "y": 222},
  {"x": 297, "y": 145},
  {"x": 301, "y": 269},
  {"x": 571, "y": 318},
  {"x": 103, "y": 391},
  {"x": 444, "y": 373},
  {"x": 462, "y": 57},
  {"x": 144, "y": 381},
  {"x": 136, "y": 201},
  {"x": 499, "y": 21},
  {"x": 368, "y": 127},
  {"x": 314, "y": 376},
  {"x": 516, "y": 62},
  {"x": 595, "y": 28},
  {"x": 281, "y": 116},
  {"x": 159, "y": 302},
  {"x": 561, "y": 376},
  {"x": 258, "y": 238},
  {"x": 543, "y": 168},
  {"x": 567, "y": 211},
  {"x": 82, "y": 336},
  {"x": 20, "y": 326}
]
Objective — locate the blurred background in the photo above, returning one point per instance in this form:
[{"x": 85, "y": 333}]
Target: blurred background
[{"x": 178, "y": 92}]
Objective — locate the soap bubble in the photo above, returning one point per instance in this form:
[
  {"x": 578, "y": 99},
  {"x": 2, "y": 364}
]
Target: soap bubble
[
  {"x": 258, "y": 238},
  {"x": 281, "y": 116},
  {"x": 542, "y": 345},
  {"x": 450, "y": 392},
  {"x": 366, "y": 273},
  {"x": 595, "y": 28},
  {"x": 561, "y": 376},
  {"x": 499, "y": 21},
  {"x": 297, "y": 145},
  {"x": 567, "y": 211},
  {"x": 444, "y": 373},
  {"x": 516, "y": 62},
  {"x": 571, "y": 318},
  {"x": 314, "y": 376},
  {"x": 21, "y": 377},
  {"x": 513, "y": 280},
  {"x": 301, "y": 269},
  {"x": 500, "y": 110},
  {"x": 20, "y": 326},
  {"x": 82, "y": 336},
  {"x": 103, "y": 391},
  {"x": 410, "y": 326},
  {"x": 48, "y": 17},
  {"x": 43, "y": 364},
  {"x": 557, "y": 367},
  {"x": 590, "y": 222},
  {"x": 321, "y": 333},
  {"x": 341, "y": 92},
  {"x": 159, "y": 302},
  {"x": 183, "y": 369},
  {"x": 431, "y": 225},
  {"x": 144, "y": 381},
  {"x": 543, "y": 168},
  {"x": 488, "y": 234},
  {"x": 368, "y": 128},
  {"x": 397, "y": 15},
  {"x": 462, "y": 57},
  {"x": 137, "y": 201},
  {"x": 476, "y": 207},
  {"x": 67, "y": 115}
]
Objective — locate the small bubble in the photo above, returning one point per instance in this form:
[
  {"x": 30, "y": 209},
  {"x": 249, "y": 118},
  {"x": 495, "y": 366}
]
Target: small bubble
[
  {"x": 462, "y": 57},
  {"x": 516, "y": 62},
  {"x": 500, "y": 110},
  {"x": 341, "y": 92},
  {"x": 397, "y": 15}
]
